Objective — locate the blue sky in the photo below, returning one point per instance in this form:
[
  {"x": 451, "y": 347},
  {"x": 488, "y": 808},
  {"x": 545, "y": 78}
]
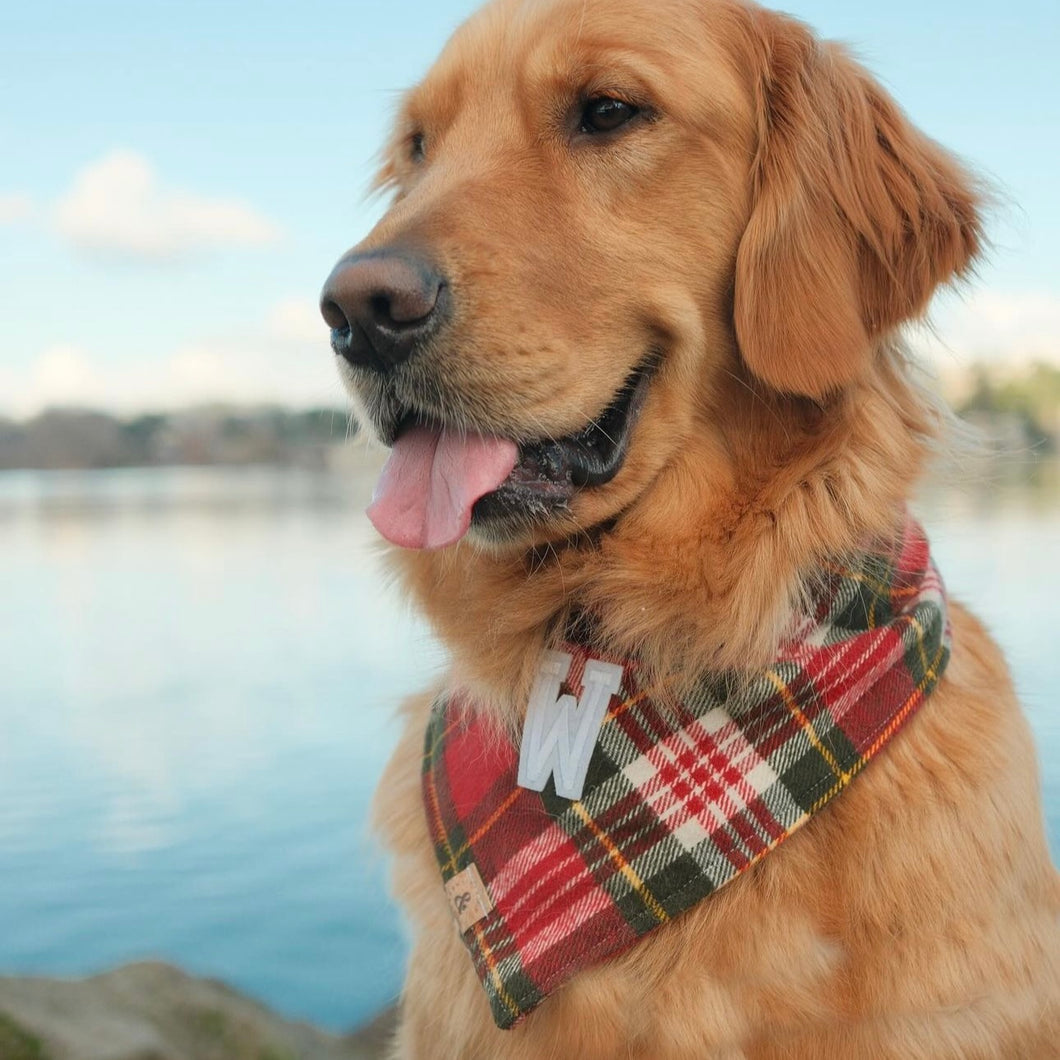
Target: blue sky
[{"x": 177, "y": 179}]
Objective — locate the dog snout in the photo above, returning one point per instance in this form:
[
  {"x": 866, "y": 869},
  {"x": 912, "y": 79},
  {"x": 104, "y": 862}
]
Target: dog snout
[{"x": 382, "y": 307}]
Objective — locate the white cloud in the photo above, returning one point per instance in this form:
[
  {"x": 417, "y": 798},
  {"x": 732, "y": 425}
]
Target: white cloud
[
  {"x": 118, "y": 206},
  {"x": 248, "y": 372},
  {"x": 14, "y": 207},
  {"x": 61, "y": 375},
  {"x": 1002, "y": 327},
  {"x": 297, "y": 320},
  {"x": 285, "y": 361}
]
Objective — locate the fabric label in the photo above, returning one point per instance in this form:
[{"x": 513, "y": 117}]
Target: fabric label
[{"x": 468, "y": 898}]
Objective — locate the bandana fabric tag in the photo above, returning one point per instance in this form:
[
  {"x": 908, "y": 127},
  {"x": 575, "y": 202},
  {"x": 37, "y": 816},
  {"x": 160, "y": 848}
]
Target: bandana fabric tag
[
  {"x": 672, "y": 803},
  {"x": 468, "y": 898}
]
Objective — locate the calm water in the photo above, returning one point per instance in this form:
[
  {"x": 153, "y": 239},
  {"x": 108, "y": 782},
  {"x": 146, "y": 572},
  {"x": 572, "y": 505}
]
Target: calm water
[{"x": 197, "y": 673}]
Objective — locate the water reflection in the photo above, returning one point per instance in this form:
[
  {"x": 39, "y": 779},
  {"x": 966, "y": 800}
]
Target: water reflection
[{"x": 199, "y": 669}]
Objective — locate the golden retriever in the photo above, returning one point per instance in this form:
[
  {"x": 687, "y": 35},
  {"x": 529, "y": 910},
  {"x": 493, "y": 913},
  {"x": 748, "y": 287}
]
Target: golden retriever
[{"x": 671, "y": 243}]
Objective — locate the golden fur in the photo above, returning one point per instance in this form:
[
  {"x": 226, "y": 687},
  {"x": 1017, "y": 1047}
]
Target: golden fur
[{"x": 765, "y": 232}]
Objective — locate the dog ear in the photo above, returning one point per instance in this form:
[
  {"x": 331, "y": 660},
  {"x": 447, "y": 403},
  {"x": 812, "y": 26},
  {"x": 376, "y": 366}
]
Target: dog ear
[{"x": 856, "y": 216}]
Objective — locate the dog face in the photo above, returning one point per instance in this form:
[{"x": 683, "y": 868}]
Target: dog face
[{"x": 602, "y": 209}]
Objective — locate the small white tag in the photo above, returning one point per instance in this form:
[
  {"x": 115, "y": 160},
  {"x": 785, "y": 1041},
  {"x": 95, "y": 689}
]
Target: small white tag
[
  {"x": 468, "y": 898},
  {"x": 560, "y": 732}
]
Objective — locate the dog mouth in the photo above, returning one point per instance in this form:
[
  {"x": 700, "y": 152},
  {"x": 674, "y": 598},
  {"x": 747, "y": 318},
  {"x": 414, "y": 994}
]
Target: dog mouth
[{"x": 440, "y": 481}]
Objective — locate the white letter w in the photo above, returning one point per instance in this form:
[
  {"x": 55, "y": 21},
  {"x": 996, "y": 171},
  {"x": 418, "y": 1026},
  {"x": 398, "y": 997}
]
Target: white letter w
[{"x": 560, "y": 732}]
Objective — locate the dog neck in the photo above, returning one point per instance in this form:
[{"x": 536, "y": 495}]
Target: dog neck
[{"x": 766, "y": 488}]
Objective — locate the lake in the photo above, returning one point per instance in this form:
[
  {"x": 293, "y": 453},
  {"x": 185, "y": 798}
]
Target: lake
[{"x": 198, "y": 671}]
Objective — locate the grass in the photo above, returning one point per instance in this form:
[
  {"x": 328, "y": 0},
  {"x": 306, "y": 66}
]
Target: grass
[
  {"x": 19, "y": 1044},
  {"x": 215, "y": 1035}
]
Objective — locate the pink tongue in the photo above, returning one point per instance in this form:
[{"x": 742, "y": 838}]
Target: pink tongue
[{"x": 430, "y": 483}]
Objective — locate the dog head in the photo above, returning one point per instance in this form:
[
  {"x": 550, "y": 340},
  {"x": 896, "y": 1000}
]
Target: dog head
[{"x": 603, "y": 213}]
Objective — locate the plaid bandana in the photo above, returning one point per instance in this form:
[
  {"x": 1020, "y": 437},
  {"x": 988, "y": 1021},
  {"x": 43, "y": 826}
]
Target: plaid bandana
[{"x": 677, "y": 802}]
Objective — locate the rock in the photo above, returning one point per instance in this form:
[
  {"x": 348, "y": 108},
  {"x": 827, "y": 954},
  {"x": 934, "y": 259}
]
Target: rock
[{"x": 153, "y": 1011}]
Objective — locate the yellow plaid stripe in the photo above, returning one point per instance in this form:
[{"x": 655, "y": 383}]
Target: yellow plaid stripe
[
  {"x": 807, "y": 726},
  {"x": 495, "y": 977},
  {"x": 926, "y": 684},
  {"x": 497, "y": 814},
  {"x": 623, "y": 866}
]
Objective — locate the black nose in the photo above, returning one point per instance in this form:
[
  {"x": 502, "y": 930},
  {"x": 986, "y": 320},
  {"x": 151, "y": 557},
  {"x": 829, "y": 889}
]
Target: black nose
[{"x": 382, "y": 306}]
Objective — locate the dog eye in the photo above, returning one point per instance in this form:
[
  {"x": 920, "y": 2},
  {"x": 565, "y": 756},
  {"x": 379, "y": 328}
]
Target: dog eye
[
  {"x": 605, "y": 113},
  {"x": 417, "y": 147}
]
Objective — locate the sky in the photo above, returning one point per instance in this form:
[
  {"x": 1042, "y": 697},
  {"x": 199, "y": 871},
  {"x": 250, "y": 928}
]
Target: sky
[{"x": 177, "y": 179}]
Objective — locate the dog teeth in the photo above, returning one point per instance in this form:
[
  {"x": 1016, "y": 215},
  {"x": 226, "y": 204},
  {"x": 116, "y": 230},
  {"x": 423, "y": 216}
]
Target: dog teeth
[{"x": 551, "y": 463}]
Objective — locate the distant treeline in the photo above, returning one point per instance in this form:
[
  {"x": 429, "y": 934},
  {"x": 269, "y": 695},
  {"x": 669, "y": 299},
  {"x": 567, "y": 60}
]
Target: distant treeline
[
  {"x": 79, "y": 438},
  {"x": 1016, "y": 408}
]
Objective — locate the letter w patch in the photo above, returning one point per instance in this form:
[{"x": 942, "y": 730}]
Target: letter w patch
[{"x": 560, "y": 731}]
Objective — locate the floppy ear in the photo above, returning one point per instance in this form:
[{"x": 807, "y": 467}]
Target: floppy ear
[{"x": 856, "y": 216}]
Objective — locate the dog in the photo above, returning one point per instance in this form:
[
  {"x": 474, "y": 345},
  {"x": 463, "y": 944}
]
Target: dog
[{"x": 631, "y": 326}]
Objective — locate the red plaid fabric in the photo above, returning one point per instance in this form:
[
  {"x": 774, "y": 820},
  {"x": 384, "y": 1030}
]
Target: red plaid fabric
[{"x": 676, "y": 803}]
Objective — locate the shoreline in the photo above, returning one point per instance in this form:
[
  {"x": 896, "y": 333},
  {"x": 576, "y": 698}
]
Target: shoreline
[{"x": 156, "y": 1011}]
